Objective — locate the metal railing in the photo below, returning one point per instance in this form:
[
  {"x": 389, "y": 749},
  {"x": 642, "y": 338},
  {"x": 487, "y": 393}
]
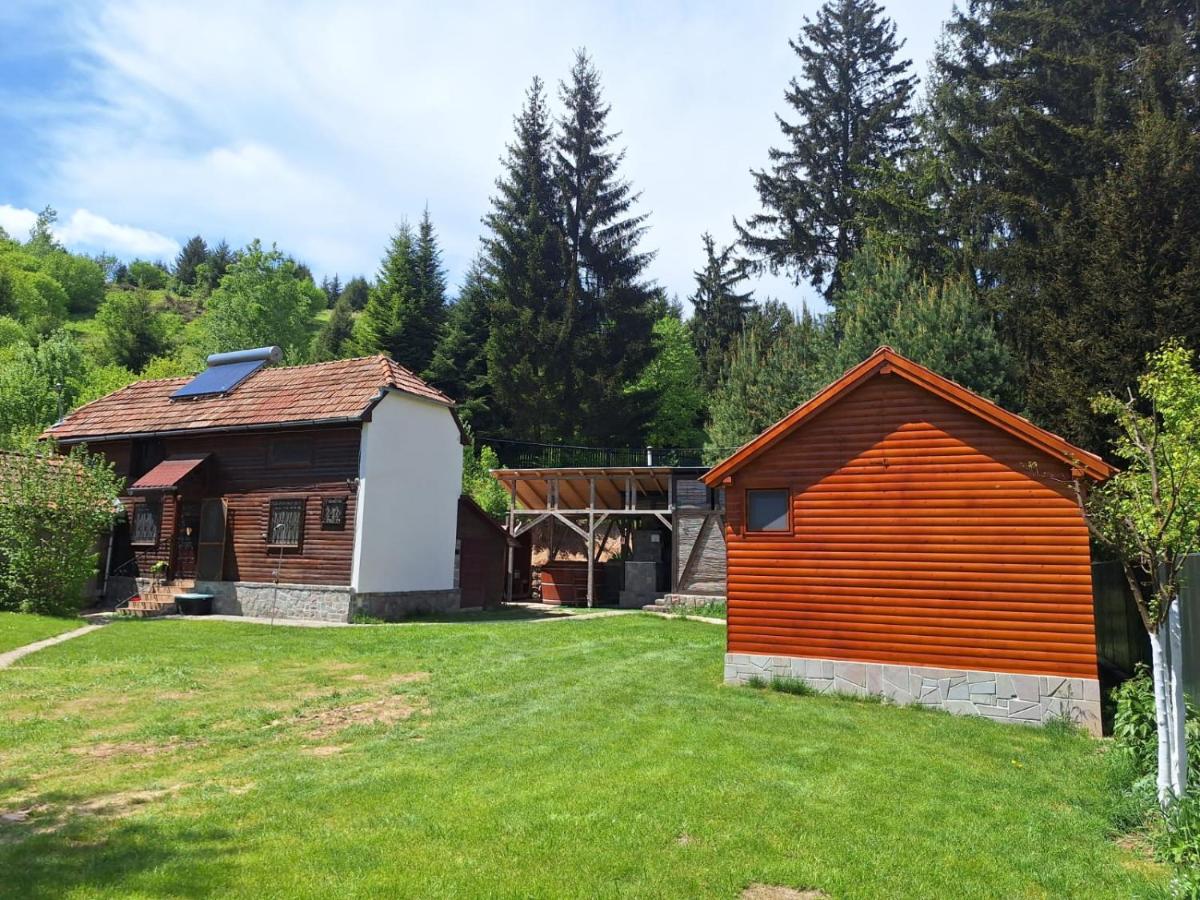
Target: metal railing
[{"x": 533, "y": 455}]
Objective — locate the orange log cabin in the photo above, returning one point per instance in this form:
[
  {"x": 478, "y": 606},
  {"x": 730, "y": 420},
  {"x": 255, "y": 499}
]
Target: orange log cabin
[{"x": 903, "y": 536}]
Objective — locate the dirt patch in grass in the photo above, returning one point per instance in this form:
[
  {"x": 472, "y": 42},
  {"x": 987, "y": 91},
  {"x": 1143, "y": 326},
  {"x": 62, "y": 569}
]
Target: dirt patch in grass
[
  {"x": 34, "y": 817},
  {"x": 781, "y": 892},
  {"x": 398, "y": 678},
  {"x": 321, "y": 723},
  {"x": 324, "y": 750},
  {"x": 132, "y": 749}
]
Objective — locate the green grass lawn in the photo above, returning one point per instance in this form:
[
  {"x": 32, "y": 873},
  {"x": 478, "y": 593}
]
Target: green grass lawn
[
  {"x": 595, "y": 758},
  {"x": 19, "y": 629}
]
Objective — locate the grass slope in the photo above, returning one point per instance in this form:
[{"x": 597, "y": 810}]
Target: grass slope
[
  {"x": 19, "y": 629},
  {"x": 594, "y": 758}
]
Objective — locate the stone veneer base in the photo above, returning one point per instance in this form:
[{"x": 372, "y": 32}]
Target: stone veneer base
[
  {"x": 1002, "y": 696},
  {"x": 321, "y": 602}
]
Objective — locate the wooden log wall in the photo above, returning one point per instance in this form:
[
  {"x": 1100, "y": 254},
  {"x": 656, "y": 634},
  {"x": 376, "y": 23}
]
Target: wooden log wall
[
  {"x": 919, "y": 534},
  {"x": 248, "y": 472}
]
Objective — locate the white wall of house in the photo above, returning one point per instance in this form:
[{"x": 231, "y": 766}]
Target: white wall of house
[{"x": 410, "y": 477}]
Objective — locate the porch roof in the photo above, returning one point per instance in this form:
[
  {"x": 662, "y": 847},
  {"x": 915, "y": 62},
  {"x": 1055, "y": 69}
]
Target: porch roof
[
  {"x": 168, "y": 473},
  {"x": 535, "y": 488}
]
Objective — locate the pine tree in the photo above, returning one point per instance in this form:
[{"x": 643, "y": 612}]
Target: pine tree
[
  {"x": 356, "y": 292},
  {"x": 332, "y": 287},
  {"x": 132, "y": 331},
  {"x": 853, "y": 108},
  {"x": 1034, "y": 108},
  {"x": 719, "y": 311},
  {"x": 193, "y": 254},
  {"x": 334, "y": 340},
  {"x": 220, "y": 258},
  {"x": 937, "y": 322},
  {"x": 430, "y": 287},
  {"x": 385, "y": 323},
  {"x": 776, "y": 364},
  {"x": 459, "y": 365},
  {"x": 529, "y": 345},
  {"x": 610, "y": 308}
]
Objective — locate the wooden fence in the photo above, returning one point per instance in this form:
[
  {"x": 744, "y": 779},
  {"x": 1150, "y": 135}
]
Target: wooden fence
[{"x": 1120, "y": 637}]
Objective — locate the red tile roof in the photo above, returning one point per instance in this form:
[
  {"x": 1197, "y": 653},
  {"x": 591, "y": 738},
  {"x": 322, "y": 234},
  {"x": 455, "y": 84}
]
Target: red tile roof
[
  {"x": 334, "y": 391},
  {"x": 168, "y": 473}
]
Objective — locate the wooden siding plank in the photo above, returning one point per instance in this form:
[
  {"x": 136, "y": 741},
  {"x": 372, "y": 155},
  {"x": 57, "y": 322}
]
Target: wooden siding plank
[{"x": 921, "y": 534}]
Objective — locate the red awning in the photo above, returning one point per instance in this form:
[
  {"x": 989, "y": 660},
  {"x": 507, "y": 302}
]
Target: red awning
[{"x": 168, "y": 473}]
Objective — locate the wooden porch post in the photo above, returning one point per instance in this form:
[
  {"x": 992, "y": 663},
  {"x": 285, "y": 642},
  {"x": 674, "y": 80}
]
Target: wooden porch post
[
  {"x": 591, "y": 600},
  {"x": 512, "y": 504}
]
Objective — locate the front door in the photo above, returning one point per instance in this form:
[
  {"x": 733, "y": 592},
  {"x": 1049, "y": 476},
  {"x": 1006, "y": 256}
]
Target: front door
[
  {"x": 187, "y": 538},
  {"x": 210, "y": 549}
]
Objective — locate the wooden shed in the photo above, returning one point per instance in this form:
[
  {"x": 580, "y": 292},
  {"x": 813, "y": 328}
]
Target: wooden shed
[{"x": 901, "y": 535}]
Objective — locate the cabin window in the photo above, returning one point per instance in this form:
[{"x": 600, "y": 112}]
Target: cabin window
[
  {"x": 285, "y": 522},
  {"x": 333, "y": 513},
  {"x": 767, "y": 510},
  {"x": 292, "y": 451},
  {"x": 144, "y": 528}
]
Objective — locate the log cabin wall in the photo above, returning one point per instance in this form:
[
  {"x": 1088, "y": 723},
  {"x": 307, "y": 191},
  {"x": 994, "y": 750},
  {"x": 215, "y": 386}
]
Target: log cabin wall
[
  {"x": 249, "y": 470},
  {"x": 918, "y": 534}
]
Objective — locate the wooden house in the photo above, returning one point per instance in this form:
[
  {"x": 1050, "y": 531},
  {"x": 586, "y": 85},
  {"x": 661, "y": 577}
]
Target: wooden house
[
  {"x": 901, "y": 535},
  {"x": 307, "y": 491}
]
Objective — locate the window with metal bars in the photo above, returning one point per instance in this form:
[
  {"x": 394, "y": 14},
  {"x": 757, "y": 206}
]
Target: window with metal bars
[
  {"x": 144, "y": 528},
  {"x": 333, "y": 513},
  {"x": 285, "y": 522}
]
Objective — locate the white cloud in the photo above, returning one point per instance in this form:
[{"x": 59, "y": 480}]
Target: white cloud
[
  {"x": 319, "y": 126},
  {"x": 86, "y": 231},
  {"x": 16, "y": 221}
]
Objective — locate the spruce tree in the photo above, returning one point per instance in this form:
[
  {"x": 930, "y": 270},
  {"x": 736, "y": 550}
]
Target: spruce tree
[
  {"x": 220, "y": 258},
  {"x": 719, "y": 311},
  {"x": 356, "y": 292},
  {"x": 853, "y": 108},
  {"x": 777, "y": 363},
  {"x": 332, "y": 287},
  {"x": 1035, "y": 112},
  {"x": 335, "y": 339},
  {"x": 430, "y": 284},
  {"x": 610, "y": 307},
  {"x": 193, "y": 254},
  {"x": 385, "y": 325},
  {"x": 459, "y": 365},
  {"x": 529, "y": 346}
]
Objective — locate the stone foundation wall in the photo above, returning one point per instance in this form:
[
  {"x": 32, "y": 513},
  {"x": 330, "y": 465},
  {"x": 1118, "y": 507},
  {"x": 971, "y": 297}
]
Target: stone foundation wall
[
  {"x": 1004, "y": 697},
  {"x": 322, "y": 602},
  {"x": 393, "y": 606}
]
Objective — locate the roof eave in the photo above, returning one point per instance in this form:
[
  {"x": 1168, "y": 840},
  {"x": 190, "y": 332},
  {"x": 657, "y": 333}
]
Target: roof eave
[{"x": 887, "y": 359}]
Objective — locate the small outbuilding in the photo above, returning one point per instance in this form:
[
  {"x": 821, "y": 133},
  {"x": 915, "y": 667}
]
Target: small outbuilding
[{"x": 899, "y": 535}]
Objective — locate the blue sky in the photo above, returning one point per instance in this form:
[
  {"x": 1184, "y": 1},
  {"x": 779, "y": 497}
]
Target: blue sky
[{"x": 320, "y": 125}]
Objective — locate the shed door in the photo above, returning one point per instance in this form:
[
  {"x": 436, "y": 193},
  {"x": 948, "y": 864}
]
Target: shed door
[{"x": 210, "y": 551}]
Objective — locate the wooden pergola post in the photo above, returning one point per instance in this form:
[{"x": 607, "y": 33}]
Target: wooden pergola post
[
  {"x": 591, "y": 563},
  {"x": 512, "y": 528}
]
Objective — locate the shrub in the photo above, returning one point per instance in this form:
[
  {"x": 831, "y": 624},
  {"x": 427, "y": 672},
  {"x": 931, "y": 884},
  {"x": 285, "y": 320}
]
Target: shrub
[
  {"x": 1135, "y": 731},
  {"x": 1175, "y": 835},
  {"x": 54, "y": 508}
]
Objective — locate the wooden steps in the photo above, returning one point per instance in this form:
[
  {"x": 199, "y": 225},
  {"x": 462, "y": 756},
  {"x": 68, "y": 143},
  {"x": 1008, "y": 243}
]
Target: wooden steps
[{"x": 155, "y": 599}]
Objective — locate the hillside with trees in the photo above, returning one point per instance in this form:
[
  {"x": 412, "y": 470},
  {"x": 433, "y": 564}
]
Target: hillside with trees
[{"x": 1025, "y": 222}]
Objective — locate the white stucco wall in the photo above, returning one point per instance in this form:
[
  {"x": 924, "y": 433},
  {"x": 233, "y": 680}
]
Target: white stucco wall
[{"x": 410, "y": 477}]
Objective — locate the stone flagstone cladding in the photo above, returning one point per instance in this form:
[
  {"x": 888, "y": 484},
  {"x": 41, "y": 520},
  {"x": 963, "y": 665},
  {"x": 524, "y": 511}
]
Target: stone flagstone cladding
[{"x": 1005, "y": 697}]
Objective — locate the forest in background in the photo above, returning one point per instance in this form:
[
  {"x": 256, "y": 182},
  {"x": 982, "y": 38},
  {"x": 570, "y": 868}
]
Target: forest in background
[{"x": 1025, "y": 222}]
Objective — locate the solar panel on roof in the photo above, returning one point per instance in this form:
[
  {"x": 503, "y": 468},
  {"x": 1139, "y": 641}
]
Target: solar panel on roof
[{"x": 219, "y": 379}]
